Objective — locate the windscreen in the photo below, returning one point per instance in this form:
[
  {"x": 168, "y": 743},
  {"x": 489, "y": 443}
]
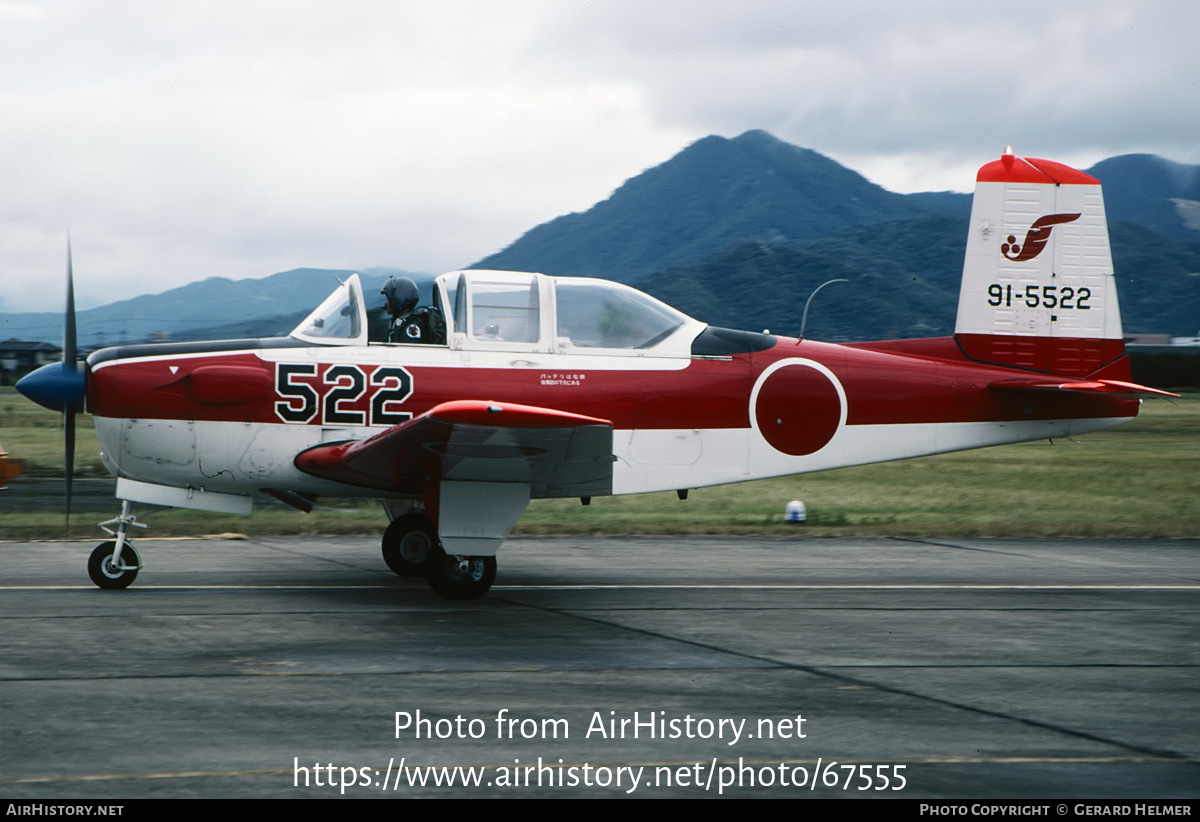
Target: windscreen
[{"x": 339, "y": 318}]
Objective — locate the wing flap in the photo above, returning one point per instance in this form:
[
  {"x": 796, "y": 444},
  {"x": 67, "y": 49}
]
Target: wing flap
[{"x": 559, "y": 454}]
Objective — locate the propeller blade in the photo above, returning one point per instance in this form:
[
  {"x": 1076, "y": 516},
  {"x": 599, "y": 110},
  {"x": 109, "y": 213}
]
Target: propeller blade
[
  {"x": 69, "y": 349},
  {"x": 70, "y": 367},
  {"x": 68, "y": 459},
  {"x": 62, "y": 386}
]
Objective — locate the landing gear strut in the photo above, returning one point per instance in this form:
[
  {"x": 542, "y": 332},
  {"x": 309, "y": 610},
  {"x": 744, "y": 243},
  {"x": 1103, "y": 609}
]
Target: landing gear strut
[{"x": 114, "y": 564}]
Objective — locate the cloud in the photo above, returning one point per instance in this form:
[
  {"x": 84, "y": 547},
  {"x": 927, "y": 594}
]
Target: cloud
[
  {"x": 864, "y": 82},
  {"x": 19, "y": 11},
  {"x": 243, "y": 138}
]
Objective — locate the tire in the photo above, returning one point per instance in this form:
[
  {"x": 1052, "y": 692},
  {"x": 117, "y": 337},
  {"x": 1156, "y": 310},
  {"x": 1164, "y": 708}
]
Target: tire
[
  {"x": 449, "y": 581},
  {"x": 100, "y": 566},
  {"x": 408, "y": 543}
]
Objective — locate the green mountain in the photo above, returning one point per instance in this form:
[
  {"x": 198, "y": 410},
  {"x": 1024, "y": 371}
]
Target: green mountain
[
  {"x": 215, "y": 308},
  {"x": 903, "y": 282},
  {"x": 715, "y": 193},
  {"x": 1152, "y": 192},
  {"x": 899, "y": 284},
  {"x": 1158, "y": 280},
  {"x": 740, "y": 231}
]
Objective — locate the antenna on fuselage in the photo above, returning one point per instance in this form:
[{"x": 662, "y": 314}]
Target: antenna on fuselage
[{"x": 804, "y": 318}]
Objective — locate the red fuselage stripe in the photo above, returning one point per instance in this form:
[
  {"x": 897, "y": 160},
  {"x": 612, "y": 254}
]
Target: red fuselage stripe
[{"x": 900, "y": 385}]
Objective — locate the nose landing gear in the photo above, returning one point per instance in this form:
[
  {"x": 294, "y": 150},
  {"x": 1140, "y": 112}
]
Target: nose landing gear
[{"x": 115, "y": 564}]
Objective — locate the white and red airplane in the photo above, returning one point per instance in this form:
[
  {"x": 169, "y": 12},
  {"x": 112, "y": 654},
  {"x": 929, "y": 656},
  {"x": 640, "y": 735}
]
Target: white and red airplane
[{"x": 572, "y": 387}]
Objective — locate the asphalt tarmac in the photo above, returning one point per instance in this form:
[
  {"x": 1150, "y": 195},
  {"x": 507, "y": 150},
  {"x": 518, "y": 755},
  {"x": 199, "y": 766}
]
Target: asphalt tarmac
[{"x": 644, "y": 667}]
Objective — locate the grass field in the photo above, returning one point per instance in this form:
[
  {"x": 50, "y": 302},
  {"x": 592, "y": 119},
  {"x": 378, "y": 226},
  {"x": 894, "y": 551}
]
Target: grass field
[{"x": 1138, "y": 480}]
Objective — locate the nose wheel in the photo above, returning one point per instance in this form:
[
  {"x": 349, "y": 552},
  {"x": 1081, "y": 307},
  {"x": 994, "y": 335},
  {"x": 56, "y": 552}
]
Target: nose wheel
[{"x": 110, "y": 571}]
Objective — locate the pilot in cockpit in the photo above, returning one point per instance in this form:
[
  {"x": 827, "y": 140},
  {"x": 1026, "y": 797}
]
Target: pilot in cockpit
[{"x": 411, "y": 324}]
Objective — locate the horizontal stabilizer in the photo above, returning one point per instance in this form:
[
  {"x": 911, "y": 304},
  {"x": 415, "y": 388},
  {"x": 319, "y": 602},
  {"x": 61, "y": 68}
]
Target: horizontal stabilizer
[
  {"x": 557, "y": 453},
  {"x": 1087, "y": 386}
]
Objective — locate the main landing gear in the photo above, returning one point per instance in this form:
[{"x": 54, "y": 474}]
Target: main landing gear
[
  {"x": 411, "y": 548},
  {"x": 115, "y": 564},
  {"x": 408, "y": 544}
]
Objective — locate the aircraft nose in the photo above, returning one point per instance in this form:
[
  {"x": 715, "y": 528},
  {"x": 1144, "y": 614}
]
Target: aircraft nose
[{"x": 57, "y": 386}]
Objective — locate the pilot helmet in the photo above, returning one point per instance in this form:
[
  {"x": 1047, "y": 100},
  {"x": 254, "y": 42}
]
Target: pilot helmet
[{"x": 402, "y": 293}]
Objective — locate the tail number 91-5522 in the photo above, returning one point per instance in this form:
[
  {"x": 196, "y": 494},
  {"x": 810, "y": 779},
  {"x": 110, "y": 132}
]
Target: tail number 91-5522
[
  {"x": 344, "y": 394},
  {"x": 1033, "y": 296}
]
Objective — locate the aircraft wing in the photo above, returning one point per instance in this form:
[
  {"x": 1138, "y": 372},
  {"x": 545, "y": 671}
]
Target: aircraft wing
[
  {"x": 1085, "y": 386},
  {"x": 558, "y": 454}
]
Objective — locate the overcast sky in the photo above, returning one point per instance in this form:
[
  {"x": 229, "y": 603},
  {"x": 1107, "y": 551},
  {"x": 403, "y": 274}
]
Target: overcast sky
[{"x": 179, "y": 141}]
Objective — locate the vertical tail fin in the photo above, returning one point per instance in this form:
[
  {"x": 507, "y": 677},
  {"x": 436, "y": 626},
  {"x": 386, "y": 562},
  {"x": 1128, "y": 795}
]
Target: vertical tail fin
[{"x": 1037, "y": 288}]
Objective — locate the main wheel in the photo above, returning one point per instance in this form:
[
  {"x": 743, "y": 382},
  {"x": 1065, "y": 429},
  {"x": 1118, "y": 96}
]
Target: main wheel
[
  {"x": 102, "y": 571},
  {"x": 408, "y": 543},
  {"x": 460, "y": 577}
]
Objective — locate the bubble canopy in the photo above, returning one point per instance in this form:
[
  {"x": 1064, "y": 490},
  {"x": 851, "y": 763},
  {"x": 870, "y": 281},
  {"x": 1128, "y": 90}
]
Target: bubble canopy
[{"x": 513, "y": 310}]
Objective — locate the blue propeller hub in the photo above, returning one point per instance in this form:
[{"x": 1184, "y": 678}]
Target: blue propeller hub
[{"x": 57, "y": 386}]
